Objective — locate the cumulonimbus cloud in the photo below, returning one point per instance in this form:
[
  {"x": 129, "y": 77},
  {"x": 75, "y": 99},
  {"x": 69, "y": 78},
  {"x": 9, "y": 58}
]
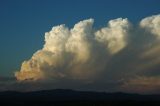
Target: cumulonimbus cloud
[{"x": 86, "y": 54}]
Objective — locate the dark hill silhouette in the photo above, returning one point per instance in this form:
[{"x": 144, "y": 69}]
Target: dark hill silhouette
[{"x": 71, "y": 97}]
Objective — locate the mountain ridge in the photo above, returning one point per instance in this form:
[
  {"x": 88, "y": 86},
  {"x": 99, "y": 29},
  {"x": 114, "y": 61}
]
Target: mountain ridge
[{"x": 63, "y": 96}]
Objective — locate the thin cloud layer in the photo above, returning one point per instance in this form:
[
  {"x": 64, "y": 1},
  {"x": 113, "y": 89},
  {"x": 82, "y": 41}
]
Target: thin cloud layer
[
  {"x": 113, "y": 54},
  {"x": 143, "y": 84}
]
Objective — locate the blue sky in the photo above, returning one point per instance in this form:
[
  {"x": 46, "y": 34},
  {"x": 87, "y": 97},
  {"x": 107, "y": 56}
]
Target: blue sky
[{"x": 24, "y": 22}]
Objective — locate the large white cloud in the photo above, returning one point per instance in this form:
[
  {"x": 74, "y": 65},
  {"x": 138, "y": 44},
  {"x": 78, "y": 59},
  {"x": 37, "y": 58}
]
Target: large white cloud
[
  {"x": 115, "y": 53},
  {"x": 115, "y": 35},
  {"x": 152, "y": 24},
  {"x": 68, "y": 52}
]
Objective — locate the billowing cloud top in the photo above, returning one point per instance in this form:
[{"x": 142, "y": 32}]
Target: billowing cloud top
[{"x": 120, "y": 55}]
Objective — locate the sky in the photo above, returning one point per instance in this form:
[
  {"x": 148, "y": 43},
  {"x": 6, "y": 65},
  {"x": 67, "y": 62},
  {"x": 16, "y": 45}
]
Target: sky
[{"x": 23, "y": 24}]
